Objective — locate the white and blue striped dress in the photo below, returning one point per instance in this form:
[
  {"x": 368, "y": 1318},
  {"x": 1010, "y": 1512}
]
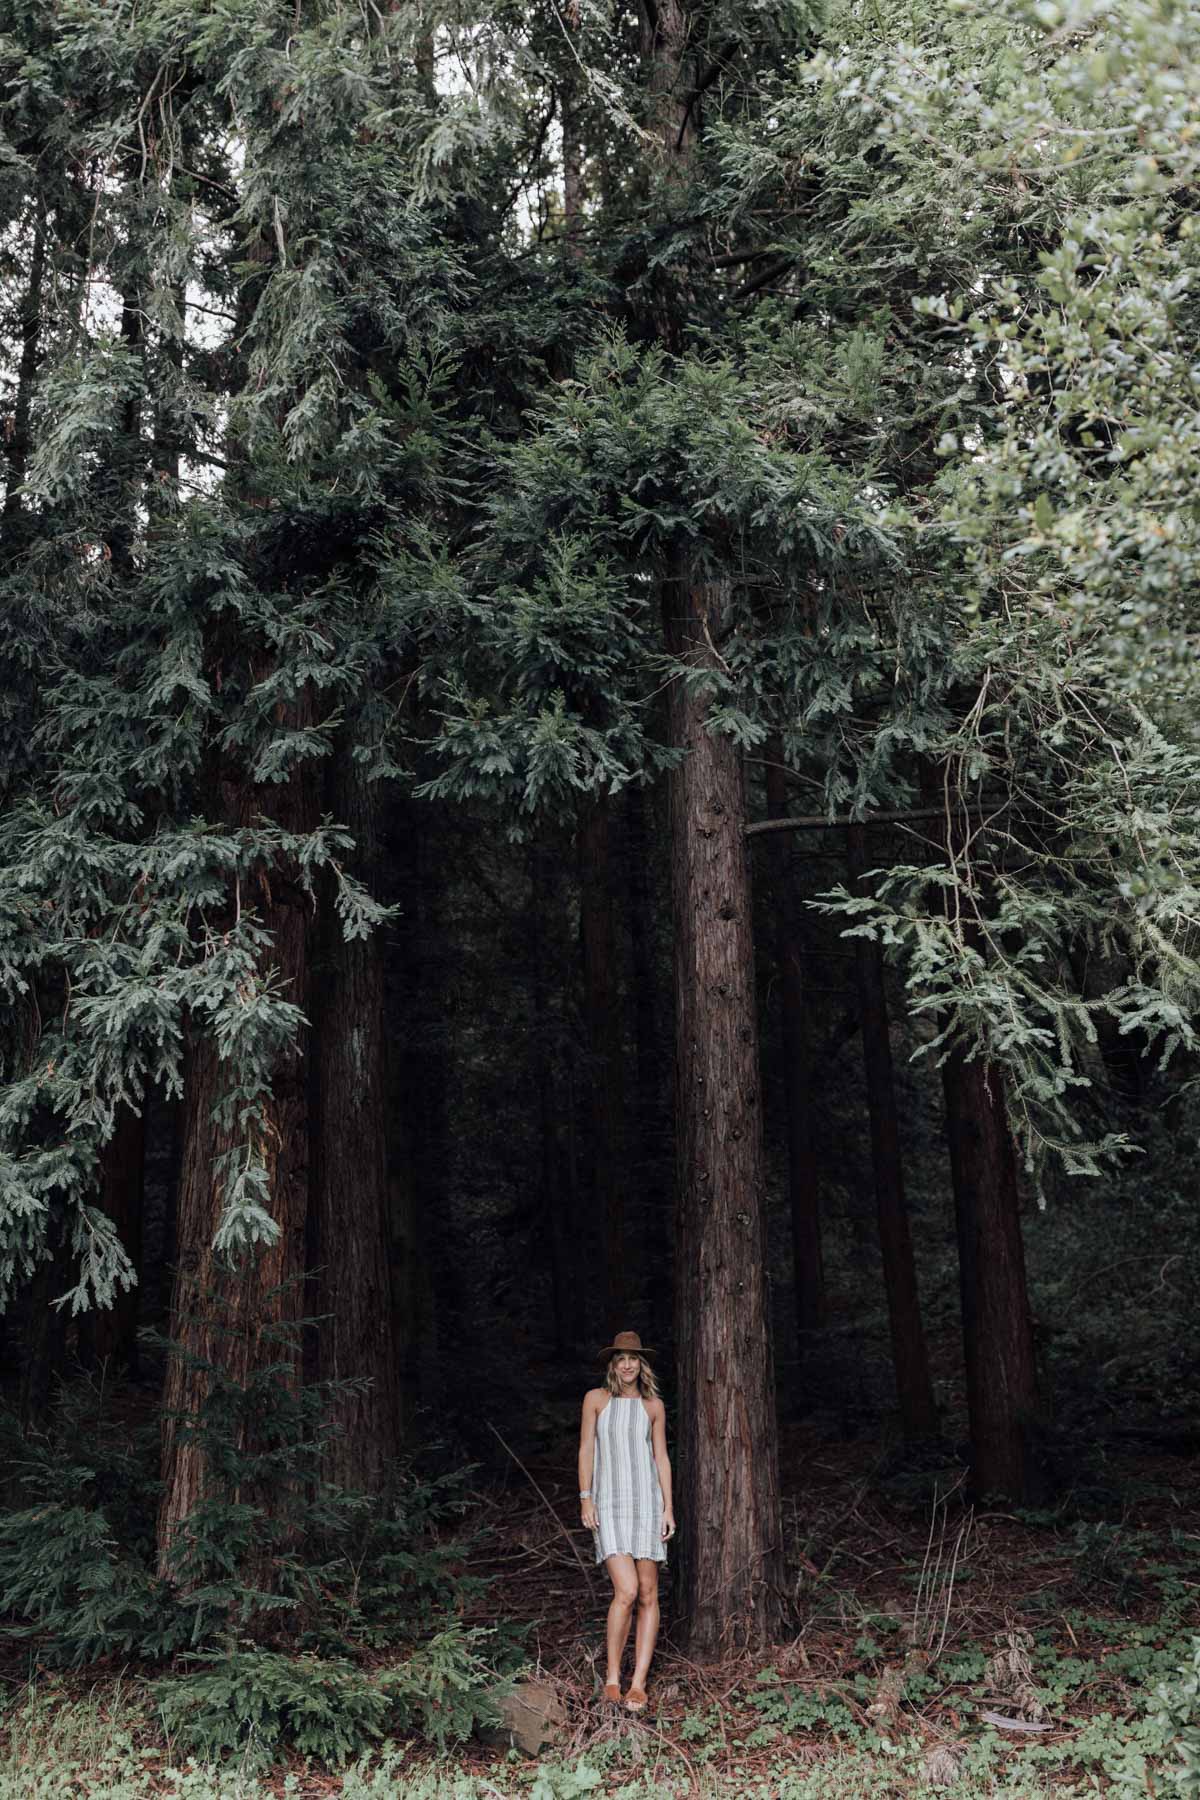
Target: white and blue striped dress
[{"x": 625, "y": 1487}]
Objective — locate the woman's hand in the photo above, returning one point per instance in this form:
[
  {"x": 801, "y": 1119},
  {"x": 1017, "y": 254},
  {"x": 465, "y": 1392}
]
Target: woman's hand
[
  {"x": 668, "y": 1524},
  {"x": 587, "y": 1515}
]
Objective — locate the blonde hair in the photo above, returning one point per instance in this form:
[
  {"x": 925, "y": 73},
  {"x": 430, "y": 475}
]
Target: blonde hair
[{"x": 647, "y": 1384}]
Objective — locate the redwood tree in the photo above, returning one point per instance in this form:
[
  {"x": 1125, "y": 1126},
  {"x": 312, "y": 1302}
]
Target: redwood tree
[
  {"x": 235, "y": 1310},
  {"x": 730, "y": 1549},
  {"x": 359, "y": 1324}
]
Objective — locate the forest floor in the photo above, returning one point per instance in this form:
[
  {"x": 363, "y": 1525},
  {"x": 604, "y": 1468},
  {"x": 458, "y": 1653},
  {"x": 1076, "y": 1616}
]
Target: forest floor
[
  {"x": 1060, "y": 1623},
  {"x": 1082, "y": 1612}
]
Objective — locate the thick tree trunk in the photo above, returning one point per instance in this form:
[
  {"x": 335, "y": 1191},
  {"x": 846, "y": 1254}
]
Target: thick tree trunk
[
  {"x": 808, "y": 1272},
  {"x": 231, "y": 1316},
  {"x": 914, "y": 1388},
  {"x": 111, "y": 1332},
  {"x": 1002, "y": 1396},
  {"x": 358, "y": 1324},
  {"x": 730, "y": 1551},
  {"x": 602, "y": 1020}
]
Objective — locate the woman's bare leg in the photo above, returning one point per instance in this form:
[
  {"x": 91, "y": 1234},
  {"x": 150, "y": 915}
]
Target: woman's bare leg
[
  {"x": 647, "y": 1621},
  {"x": 623, "y": 1574}
]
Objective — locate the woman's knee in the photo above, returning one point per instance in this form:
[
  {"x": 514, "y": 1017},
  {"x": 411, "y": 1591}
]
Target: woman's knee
[
  {"x": 647, "y": 1587},
  {"x": 625, "y": 1590}
]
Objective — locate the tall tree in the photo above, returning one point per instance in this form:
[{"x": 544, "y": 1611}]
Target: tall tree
[
  {"x": 229, "y": 1310},
  {"x": 731, "y": 1563},
  {"x": 361, "y": 1324}
]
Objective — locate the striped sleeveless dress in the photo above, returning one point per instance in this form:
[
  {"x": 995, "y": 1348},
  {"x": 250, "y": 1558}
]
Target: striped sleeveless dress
[{"x": 625, "y": 1488}]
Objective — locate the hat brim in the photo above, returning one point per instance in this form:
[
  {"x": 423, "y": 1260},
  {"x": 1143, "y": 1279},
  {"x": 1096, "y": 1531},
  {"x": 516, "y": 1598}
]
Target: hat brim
[{"x": 646, "y": 1352}]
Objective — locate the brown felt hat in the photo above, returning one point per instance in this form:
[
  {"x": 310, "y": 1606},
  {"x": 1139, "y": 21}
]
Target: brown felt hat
[{"x": 626, "y": 1343}]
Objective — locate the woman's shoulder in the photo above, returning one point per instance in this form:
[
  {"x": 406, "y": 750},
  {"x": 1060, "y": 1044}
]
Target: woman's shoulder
[{"x": 595, "y": 1396}]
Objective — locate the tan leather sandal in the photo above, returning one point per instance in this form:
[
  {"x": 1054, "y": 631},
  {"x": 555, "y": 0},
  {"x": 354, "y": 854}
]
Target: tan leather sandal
[
  {"x": 612, "y": 1693},
  {"x": 635, "y": 1700}
]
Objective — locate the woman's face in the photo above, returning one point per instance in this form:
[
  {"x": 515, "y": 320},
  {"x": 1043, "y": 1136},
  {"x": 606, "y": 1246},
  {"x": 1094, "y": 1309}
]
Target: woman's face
[{"x": 628, "y": 1368}]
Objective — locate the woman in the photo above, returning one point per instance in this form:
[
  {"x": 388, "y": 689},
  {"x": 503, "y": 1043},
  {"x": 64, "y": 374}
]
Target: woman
[{"x": 625, "y": 1502}]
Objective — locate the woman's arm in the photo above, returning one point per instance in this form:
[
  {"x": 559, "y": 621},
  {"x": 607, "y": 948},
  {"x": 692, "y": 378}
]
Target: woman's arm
[
  {"x": 662, "y": 1462},
  {"x": 587, "y": 1459}
]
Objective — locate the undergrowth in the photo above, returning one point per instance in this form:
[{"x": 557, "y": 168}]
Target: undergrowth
[{"x": 291, "y": 1614}]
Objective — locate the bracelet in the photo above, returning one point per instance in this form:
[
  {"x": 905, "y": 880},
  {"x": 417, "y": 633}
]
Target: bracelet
[{"x": 585, "y": 1493}]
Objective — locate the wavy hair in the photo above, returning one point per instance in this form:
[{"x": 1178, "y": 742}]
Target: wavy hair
[{"x": 647, "y": 1382}]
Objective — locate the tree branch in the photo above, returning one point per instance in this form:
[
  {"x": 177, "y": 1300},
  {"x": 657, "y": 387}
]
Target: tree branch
[
  {"x": 764, "y": 278},
  {"x": 820, "y": 822}
]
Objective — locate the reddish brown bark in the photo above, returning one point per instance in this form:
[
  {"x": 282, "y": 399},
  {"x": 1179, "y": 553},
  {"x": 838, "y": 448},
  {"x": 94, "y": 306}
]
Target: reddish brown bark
[
  {"x": 730, "y": 1561},
  {"x": 602, "y": 1021},
  {"x": 359, "y": 1326},
  {"x": 1002, "y": 1395},
  {"x": 730, "y": 1539},
  {"x": 231, "y": 1316},
  {"x": 914, "y": 1388},
  {"x": 804, "y": 1197}
]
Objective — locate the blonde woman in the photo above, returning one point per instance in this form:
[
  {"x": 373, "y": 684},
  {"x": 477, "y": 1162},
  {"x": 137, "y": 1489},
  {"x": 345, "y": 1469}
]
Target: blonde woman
[{"x": 625, "y": 1502}]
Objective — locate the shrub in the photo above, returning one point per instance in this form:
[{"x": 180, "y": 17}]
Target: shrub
[
  {"x": 319, "y": 1566},
  {"x": 255, "y": 1703},
  {"x": 446, "y": 1687},
  {"x": 62, "y": 1574}
]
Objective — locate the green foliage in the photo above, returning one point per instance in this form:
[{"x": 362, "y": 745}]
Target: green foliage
[
  {"x": 794, "y": 1709},
  {"x": 256, "y": 1704},
  {"x": 75, "y": 1558},
  {"x": 1178, "y": 1714},
  {"x": 446, "y": 1687},
  {"x": 271, "y": 1554}
]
